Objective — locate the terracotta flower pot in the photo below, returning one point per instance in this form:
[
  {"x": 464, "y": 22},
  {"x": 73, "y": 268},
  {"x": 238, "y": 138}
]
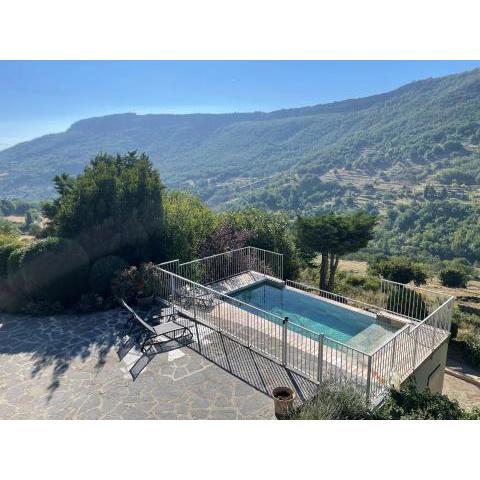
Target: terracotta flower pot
[{"x": 283, "y": 398}]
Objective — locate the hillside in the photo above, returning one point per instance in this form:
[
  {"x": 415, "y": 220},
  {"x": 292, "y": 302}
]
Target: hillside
[{"x": 408, "y": 136}]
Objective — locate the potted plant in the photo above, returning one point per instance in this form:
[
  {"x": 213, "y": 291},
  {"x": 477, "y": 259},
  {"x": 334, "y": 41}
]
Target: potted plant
[
  {"x": 125, "y": 283},
  {"x": 145, "y": 288},
  {"x": 283, "y": 398}
]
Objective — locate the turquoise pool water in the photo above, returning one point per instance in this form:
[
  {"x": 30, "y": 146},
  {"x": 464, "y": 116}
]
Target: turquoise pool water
[{"x": 353, "y": 328}]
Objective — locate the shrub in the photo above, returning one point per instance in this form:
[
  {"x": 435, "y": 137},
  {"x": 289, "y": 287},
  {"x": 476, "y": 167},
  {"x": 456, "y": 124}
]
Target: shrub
[
  {"x": 398, "y": 269},
  {"x": 134, "y": 282},
  {"x": 454, "y": 278},
  {"x": 125, "y": 283},
  {"x": 54, "y": 269},
  {"x": 471, "y": 349},
  {"x": 14, "y": 274},
  {"x": 333, "y": 402},
  {"x": 8, "y": 243},
  {"x": 453, "y": 330},
  {"x": 102, "y": 273},
  {"x": 355, "y": 280},
  {"x": 146, "y": 285},
  {"x": 464, "y": 318},
  {"x": 372, "y": 284},
  {"x": 408, "y": 403}
]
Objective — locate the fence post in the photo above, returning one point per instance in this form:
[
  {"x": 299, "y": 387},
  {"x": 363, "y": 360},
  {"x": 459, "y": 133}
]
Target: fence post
[
  {"x": 320, "y": 359},
  {"x": 369, "y": 379},
  {"x": 414, "y": 358},
  {"x": 195, "y": 317},
  {"x": 172, "y": 288},
  {"x": 284, "y": 341},
  {"x": 394, "y": 350},
  {"x": 194, "y": 302},
  {"x": 434, "y": 336}
]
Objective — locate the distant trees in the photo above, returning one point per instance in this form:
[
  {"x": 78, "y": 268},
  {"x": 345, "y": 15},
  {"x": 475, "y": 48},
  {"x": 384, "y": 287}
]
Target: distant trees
[
  {"x": 331, "y": 236},
  {"x": 398, "y": 269},
  {"x": 429, "y": 192},
  {"x": 440, "y": 228}
]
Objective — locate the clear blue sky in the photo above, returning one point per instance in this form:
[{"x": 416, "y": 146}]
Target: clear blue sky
[{"x": 40, "y": 97}]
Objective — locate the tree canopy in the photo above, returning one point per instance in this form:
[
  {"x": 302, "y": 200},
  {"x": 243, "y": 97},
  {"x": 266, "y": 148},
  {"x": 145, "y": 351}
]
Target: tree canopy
[
  {"x": 333, "y": 235},
  {"x": 114, "y": 207}
]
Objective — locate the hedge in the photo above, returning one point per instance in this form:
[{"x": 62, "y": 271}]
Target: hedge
[
  {"x": 102, "y": 272},
  {"x": 53, "y": 269},
  {"x": 5, "y": 250}
]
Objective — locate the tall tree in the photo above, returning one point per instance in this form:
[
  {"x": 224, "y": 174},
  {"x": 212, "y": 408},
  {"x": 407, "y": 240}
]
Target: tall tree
[
  {"x": 114, "y": 207},
  {"x": 333, "y": 235}
]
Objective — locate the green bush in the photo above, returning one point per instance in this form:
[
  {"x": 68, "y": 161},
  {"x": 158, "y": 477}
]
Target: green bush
[
  {"x": 333, "y": 402},
  {"x": 343, "y": 402},
  {"x": 54, "y": 269},
  {"x": 471, "y": 349},
  {"x": 454, "y": 278},
  {"x": 7, "y": 246},
  {"x": 355, "y": 280},
  {"x": 102, "y": 273},
  {"x": 465, "y": 318},
  {"x": 398, "y": 269},
  {"x": 14, "y": 274},
  {"x": 125, "y": 283},
  {"x": 372, "y": 284},
  {"x": 408, "y": 403},
  {"x": 453, "y": 330},
  {"x": 133, "y": 282}
]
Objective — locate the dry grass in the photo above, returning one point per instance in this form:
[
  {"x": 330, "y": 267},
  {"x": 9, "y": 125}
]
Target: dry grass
[
  {"x": 15, "y": 218},
  {"x": 352, "y": 266},
  {"x": 472, "y": 290}
]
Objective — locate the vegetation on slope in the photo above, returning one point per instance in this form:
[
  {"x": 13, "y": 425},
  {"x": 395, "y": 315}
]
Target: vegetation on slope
[{"x": 426, "y": 123}]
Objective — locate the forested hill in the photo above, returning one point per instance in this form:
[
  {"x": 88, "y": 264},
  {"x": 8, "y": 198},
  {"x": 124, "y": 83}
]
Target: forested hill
[{"x": 276, "y": 159}]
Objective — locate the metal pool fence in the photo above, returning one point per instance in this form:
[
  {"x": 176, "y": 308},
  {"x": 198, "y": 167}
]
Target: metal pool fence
[
  {"x": 426, "y": 315},
  {"x": 219, "y": 267}
]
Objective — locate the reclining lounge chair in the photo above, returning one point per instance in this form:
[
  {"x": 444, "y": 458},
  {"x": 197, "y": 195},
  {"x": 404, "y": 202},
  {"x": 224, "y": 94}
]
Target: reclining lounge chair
[{"x": 150, "y": 334}]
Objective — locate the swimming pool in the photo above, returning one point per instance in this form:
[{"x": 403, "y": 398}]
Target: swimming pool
[{"x": 355, "y": 328}]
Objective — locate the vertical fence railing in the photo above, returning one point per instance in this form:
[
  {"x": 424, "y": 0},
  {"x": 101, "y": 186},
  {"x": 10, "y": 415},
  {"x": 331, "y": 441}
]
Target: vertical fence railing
[
  {"x": 394, "y": 361},
  {"x": 216, "y": 268},
  {"x": 409, "y": 301},
  {"x": 250, "y": 325},
  {"x": 314, "y": 355}
]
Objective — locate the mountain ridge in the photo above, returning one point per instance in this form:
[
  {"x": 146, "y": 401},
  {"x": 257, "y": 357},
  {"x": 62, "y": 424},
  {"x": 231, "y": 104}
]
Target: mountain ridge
[{"x": 203, "y": 151}]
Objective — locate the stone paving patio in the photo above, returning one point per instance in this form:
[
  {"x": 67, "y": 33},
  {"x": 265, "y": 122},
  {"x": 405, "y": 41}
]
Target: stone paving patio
[{"x": 67, "y": 367}]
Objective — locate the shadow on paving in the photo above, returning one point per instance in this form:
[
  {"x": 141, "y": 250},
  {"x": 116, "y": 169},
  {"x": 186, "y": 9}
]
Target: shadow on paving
[
  {"x": 254, "y": 369},
  {"x": 57, "y": 341}
]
